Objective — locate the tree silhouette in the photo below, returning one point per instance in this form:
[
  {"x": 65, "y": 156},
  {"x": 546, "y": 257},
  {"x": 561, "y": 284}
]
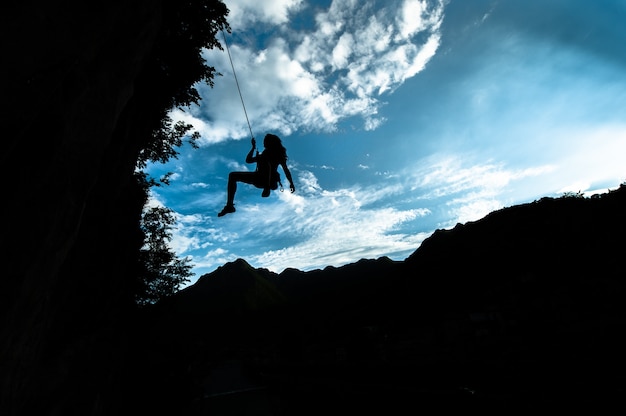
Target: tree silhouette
[
  {"x": 161, "y": 272},
  {"x": 168, "y": 82}
]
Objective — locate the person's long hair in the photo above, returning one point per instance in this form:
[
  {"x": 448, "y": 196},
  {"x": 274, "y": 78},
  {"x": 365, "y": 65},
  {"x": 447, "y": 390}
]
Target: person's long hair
[{"x": 274, "y": 147}]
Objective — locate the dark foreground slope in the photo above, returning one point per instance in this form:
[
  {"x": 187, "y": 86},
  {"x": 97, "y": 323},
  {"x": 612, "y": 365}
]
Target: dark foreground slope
[{"x": 522, "y": 310}]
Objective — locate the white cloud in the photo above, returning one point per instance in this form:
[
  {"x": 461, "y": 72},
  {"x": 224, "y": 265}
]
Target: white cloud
[
  {"x": 244, "y": 13},
  {"x": 211, "y": 259},
  {"x": 310, "y": 80},
  {"x": 594, "y": 155},
  {"x": 317, "y": 227},
  {"x": 423, "y": 56},
  {"x": 308, "y": 183},
  {"x": 469, "y": 190},
  {"x": 342, "y": 51},
  {"x": 339, "y": 228},
  {"x": 416, "y": 16},
  {"x": 312, "y": 228}
]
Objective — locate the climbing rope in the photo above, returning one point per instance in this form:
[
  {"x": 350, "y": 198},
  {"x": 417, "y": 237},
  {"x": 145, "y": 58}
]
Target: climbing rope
[
  {"x": 237, "y": 82},
  {"x": 242, "y": 102}
]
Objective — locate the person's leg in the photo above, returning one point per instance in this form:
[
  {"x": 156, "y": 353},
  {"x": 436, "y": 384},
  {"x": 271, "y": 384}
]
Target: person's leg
[{"x": 233, "y": 178}]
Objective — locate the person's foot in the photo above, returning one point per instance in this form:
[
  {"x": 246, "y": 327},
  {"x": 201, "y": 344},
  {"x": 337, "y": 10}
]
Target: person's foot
[
  {"x": 227, "y": 210},
  {"x": 266, "y": 192}
]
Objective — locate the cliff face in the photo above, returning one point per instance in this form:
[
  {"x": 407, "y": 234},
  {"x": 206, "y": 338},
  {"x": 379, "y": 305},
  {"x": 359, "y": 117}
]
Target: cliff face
[{"x": 68, "y": 84}]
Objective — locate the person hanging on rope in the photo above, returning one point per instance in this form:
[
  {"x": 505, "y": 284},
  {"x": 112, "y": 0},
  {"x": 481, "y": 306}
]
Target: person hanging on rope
[{"x": 265, "y": 176}]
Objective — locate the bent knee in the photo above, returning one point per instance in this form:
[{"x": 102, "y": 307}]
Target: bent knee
[
  {"x": 234, "y": 176},
  {"x": 246, "y": 177}
]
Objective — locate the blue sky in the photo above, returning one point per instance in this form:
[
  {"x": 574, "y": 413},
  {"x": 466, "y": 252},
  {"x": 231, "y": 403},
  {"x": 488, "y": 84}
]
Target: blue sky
[{"x": 400, "y": 117}]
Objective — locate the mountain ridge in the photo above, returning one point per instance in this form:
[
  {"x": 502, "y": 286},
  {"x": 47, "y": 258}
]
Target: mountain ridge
[
  {"x": 541, "y": 230},
  {"x": 523, "y": 307}
]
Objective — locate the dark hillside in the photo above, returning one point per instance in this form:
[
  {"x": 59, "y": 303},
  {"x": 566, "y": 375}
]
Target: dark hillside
[{"x": 522, "y": 309}]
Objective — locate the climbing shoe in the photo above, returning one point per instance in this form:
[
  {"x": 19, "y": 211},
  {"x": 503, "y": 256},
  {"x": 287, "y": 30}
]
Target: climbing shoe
[{"x": 227, "y": 210}]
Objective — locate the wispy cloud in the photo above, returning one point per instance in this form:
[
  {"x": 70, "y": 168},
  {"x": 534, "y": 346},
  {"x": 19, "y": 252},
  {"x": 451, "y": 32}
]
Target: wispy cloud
[
  {"x": 244, "y": 13},
  {"x": 335, "y": 227},
  {"x": 467, "y": 189},
  {"x": 318, "y": 227},
  {"x": 313, "y": 228}
]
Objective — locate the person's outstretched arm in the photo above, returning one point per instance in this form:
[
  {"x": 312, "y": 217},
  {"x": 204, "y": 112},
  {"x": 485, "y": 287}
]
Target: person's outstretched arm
[
  {"x": 292, "y": 188},
  {"x": 250, "y": 158}
]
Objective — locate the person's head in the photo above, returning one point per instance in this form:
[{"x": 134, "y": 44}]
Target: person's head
[{"x": 273, "y": 143}]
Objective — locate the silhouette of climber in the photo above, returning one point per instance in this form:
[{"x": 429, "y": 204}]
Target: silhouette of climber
[{"x": 266, "y": 175}]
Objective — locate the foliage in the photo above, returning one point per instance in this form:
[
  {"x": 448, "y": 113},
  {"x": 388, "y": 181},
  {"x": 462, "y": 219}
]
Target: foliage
[
  {"x": 174, "y": 68},
  {"x": 570, "y": 194},
  {"x": 168, "y": 81},
  {"x": 162, "y": 273},
  {"x": 189, "y": 26},
  {"x": 165, "y": 139}
]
